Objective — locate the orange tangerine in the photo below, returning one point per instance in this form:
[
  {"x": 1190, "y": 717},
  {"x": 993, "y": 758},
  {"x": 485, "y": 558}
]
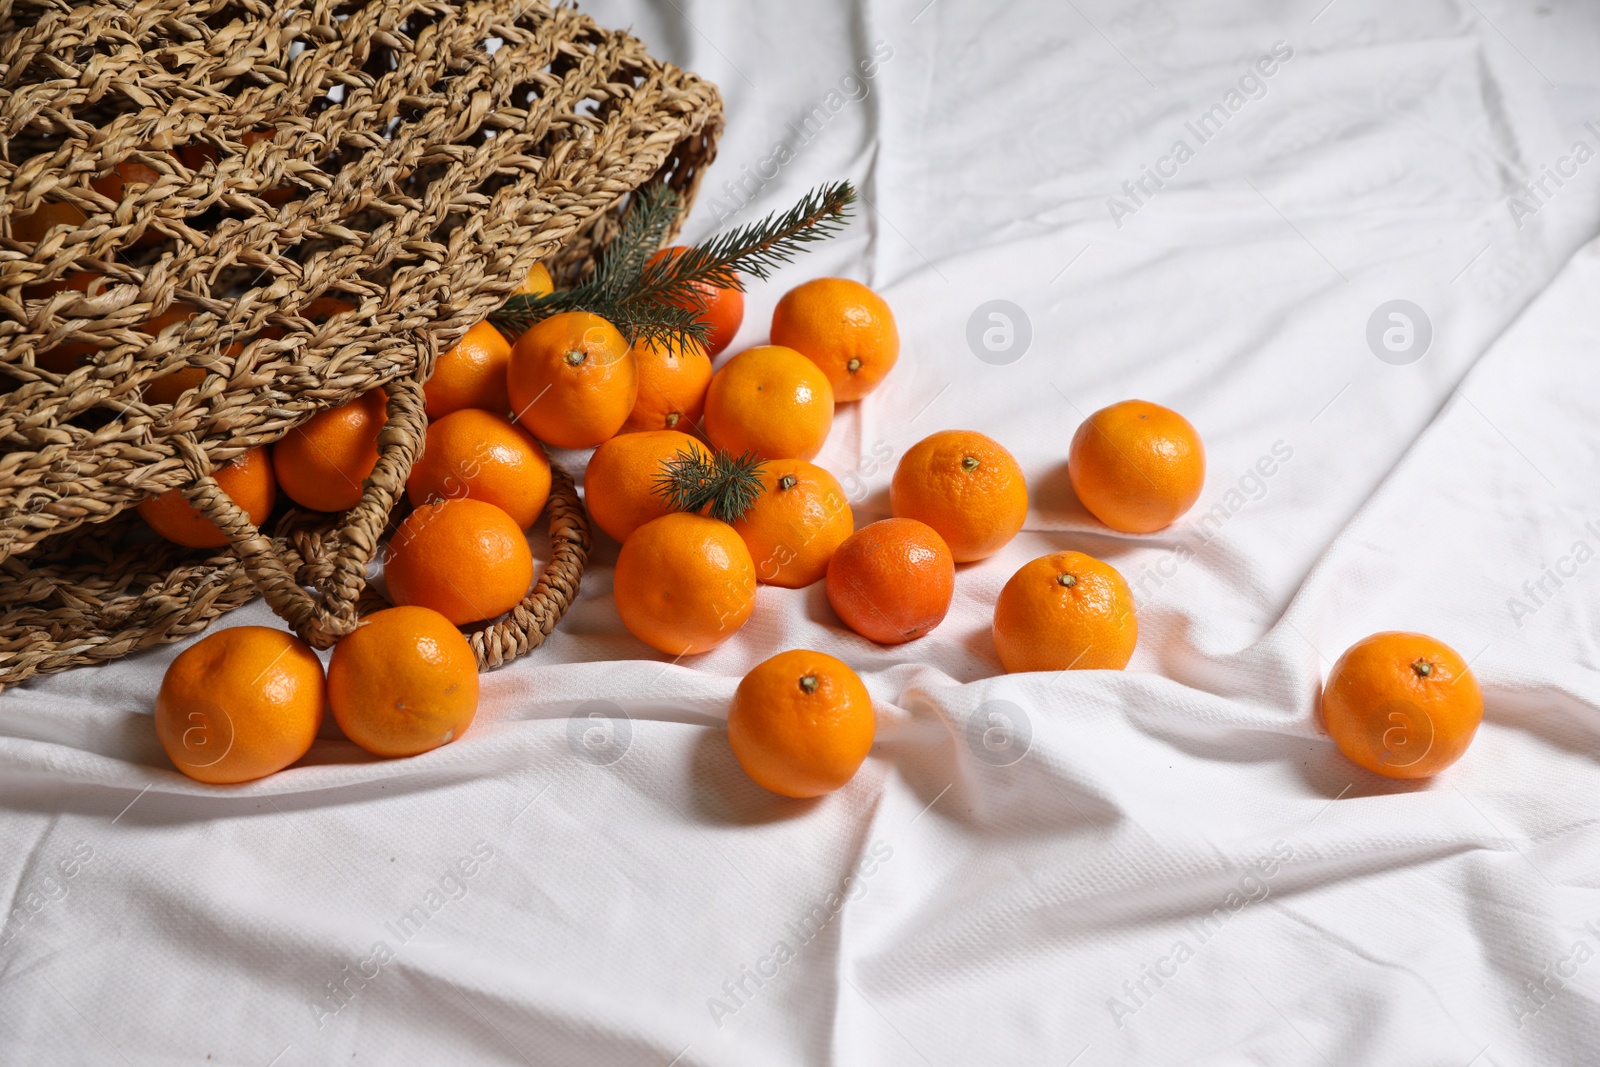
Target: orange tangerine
[
  {"x": 800, "y": 517},
  {"x": 537, "y": 283},
  {"x": 463, "y": 558},
  {"x": 1065, "y": 611},
  {"x": 1402, "y": 705},
  {"x": 572, "y": 380},
  {"x": 63, "y": 358},
  {"x": 322, "y": 463},
  {"x": 672, "y": 386},
  {"x": 684, "y": 583},
  {"x": 240, "y": 704},
  {"x": 403, "y": 682},
  {"x": 967, "y": 487},
  {"x": 471, "y": 375},
  {"x": 619, "y": 485},
  {"x": 724, "y": 308},
  {"x": 113, "y": 183},
  {"x": 844, "y": 328},
  {"x": 277, "y": 194},
  {"x": 801, "y": 723},
  {"x": 892, "y": 580},
  {"x": 248, "y": 482},
  {"x": 37, "y": 225},
  {"x": 1137, "y": 466},
  {"x": 484, "y": 456},
  {"x": 772, "y": 401}
]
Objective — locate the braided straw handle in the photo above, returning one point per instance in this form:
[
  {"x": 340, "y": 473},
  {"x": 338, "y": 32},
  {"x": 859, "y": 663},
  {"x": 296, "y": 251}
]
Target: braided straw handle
[{"x": 337, "y": 563}]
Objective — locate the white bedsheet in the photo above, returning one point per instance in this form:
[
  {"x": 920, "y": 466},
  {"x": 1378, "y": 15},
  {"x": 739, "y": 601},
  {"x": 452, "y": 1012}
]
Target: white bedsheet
[{"x": 1166, "y": 865}]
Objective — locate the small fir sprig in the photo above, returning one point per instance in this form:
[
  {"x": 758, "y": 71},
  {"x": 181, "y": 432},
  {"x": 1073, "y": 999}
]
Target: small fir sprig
[
  {"x": 722, "y": 485},
  {"x": 662, "y": 302}
]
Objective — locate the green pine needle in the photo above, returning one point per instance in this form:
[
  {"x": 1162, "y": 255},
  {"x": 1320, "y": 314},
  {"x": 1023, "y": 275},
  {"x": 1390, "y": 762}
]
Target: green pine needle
[
  {"x": 757, "y": 249},
  {"x": 723, "y": 485},
  {"x": 644, "y": 229},
  {"x": 663, "y": 301}
]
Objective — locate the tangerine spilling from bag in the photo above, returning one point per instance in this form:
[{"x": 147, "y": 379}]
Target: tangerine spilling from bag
[
  {"x": 572, "y": 380},
  {"x": 672, "y": 386},
  {"x": 700, "y": 527},
  {"x": 771, "y": 401},
  {"x": 464, "y": 558}
]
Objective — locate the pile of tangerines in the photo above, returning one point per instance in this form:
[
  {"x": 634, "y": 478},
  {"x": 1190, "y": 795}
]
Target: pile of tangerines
[{"x": 705, "y": 478}]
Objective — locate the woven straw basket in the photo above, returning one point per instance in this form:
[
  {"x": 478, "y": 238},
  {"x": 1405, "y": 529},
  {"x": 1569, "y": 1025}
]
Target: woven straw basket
[{"x": 412, "y": 159}]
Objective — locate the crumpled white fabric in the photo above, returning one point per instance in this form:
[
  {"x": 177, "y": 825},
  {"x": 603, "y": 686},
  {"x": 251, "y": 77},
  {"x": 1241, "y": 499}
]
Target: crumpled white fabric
[{"x": 1166, "y": 865}]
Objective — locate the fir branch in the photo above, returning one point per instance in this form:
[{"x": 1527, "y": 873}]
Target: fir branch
[
  {"x": 644, "y": 229},
  {"x": 664, "y": 301},
  {"x": 757, "y": 248},
  {"x": 683, "y": 479},
  {"x": 724, "y": 486},
  {"x": 671, "y": 325}
]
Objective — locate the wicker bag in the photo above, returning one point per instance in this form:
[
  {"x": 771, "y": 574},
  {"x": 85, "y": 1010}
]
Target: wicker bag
[{"x": 412, "y": 160}]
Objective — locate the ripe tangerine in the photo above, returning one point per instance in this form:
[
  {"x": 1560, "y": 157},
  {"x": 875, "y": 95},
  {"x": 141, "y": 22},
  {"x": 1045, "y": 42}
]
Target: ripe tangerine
[
  {"x": 672, "y": 387},
  {"x": 1137, "y": 466},
  {"x": 1402, "y": 705},
  {"x": 240, "y": 704},
  {"x": 248, "y": 482},
  {"x": 801, "y": 723},
  {"x": 844, "y": 328},
  {"x": 463, "y": 558},
  {"x": 472, "y": 374},
  {"x": 797, "y": 522},
  {"x": 772, "y": 401},
  {"x": 485, "y": 456},
  {"x": 403, "y": 682},
  {"x": 572, "y": 380},
  {"x": 967, "y": 487},
  {"x": 892, "y": 580},
  {"x": 620, "y": 483},
  {"x": 684, "y": 583},
  {"x": 724, "y": 308},
  {"x": 322, "y": 463},
  {"x": 1065, "y": 611}
]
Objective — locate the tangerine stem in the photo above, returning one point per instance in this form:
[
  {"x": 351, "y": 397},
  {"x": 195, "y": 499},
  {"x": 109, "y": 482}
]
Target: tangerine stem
[
  {"x": 576, "y": 357},
  {"x": 1422, "y": 667},
  {"x": 969, "y": 463},
  {"x": 809, "y": 683},
  {"x": 1068, "y": 580}
]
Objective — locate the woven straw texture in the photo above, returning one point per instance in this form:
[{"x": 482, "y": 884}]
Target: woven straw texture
[{"x": 338, "y": 191}]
